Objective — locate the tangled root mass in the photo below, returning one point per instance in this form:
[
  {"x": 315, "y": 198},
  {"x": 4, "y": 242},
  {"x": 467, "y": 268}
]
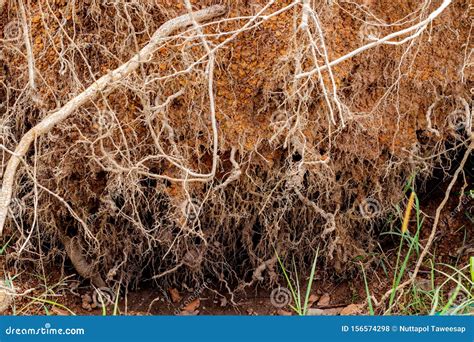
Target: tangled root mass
[{"x": 219, "y": 150}]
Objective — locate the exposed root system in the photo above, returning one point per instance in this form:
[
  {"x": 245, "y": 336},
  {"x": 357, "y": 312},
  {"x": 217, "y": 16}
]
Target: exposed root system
[{"x": 152, "y": 151}]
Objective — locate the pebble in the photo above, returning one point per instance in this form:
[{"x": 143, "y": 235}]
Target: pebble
[
  {"x": 6, "y": 296},
  {"x": 325, "y": 312}
]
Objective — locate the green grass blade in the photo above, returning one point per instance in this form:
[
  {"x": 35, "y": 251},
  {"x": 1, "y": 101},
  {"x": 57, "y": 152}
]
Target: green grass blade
[
  {"x": 451, "y": 300},
  {"x": 287, "y": 278},
  {"x": 435, "y": 301},
  {"x": 4, "y": 247},
  {"x": 41, "y": 300},
  {"x": 367, "y": 291},
  {"x": 471, "y": 261},
  {"x": 116, "y": 307},
  {"x": 298, "y": 288},
  {"x": 310, "y": 283},
  {"x": 394, "y": 284},
  {"x": 400, "y": 273}
]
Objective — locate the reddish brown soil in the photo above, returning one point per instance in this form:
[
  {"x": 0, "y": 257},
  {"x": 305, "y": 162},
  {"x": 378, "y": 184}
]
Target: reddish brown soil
[{"x": 373, "y": 155}]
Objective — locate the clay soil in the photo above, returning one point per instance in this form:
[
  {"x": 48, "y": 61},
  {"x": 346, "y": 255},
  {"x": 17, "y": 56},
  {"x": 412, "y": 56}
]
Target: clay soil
[{"x": 179, "y": 185}]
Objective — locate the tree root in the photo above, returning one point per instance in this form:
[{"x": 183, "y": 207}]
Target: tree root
[
  {"x": 105, "y": 83},
  {"x": 83, "y": 267}
]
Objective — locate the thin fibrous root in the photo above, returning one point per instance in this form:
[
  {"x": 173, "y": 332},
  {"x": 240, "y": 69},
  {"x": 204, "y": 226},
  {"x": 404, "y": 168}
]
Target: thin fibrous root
[{"x": 105, "y": 83}]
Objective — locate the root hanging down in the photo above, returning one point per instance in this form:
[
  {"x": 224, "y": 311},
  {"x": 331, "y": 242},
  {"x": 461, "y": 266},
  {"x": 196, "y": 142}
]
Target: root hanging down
[
  {"x": 103, "y": 84},
  {"x": 83, "y": 268},
  {"x": 216, "y": 135}
]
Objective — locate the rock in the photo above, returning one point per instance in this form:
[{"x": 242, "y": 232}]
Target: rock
[
  {"x": 313, "y": 299},
  {"x": 87, "y": 302},
  {"x": 424, "y": 284},
  {"x": 251, "y": 312},
  {"x": 282, "y": 312},
  {"x": 189, "y": 313},
  {"x": 223, "y": 302},
  {"x": 324, "y": 300},
  {"x": 86, "y": 306},
  {"x": 352, "y": 309},
  {"x": 175, "y": 296},
  {"x": 6, "y": 296},
  {"x": 86, "y": 298},
  {"x": 193, "y": 305},
  {"x": 324, "y": 312}
]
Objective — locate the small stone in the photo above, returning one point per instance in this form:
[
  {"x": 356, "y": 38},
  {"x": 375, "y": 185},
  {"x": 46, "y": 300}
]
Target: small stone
[
  {"x": 6, "y": 296},
  {"x": 324, "y": 300},
  {"x": 175, "y": 296},
  {"x": 86, "y": 306},
  {"x": 352, "y": 309},
  {"x": 223, "y": 301},
  {"x": 189, "y": 313},
  {"x": 87, "y": 298},
  {"x": 325, "y": 312},
  {"x": 193, "y": 305},
  {"x": 424, "y": 284},
  {"x": 313, "y": 299},
  {"x": 282, "y": 312}
]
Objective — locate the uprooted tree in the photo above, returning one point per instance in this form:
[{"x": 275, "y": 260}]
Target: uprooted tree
[{"x": 156, "y": 147}]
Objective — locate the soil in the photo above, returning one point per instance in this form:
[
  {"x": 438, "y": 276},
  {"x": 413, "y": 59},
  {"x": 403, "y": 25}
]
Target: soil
[
  {"x": 296, "y": 170},
  {"x": 454, "y": 245}
]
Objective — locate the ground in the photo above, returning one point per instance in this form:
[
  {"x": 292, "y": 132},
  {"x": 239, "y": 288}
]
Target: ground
[
  {"x": 57, "y": 293},
  {"x": 247, "y": 142}
]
